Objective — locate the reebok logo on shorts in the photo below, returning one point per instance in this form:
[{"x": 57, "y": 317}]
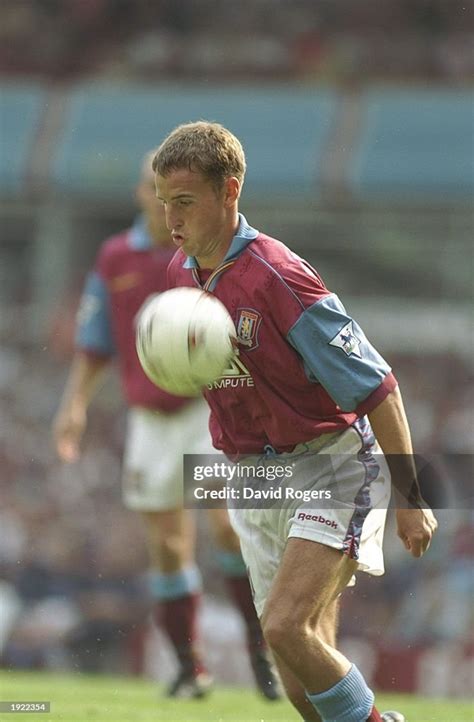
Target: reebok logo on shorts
[{"x": 320, "y": 519}]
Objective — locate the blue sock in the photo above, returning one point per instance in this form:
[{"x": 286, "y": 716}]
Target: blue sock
[
  {"x": 350, "y": 700},
  {"x": 231, "y": 563},
  {"x": 177, "y": 584}
]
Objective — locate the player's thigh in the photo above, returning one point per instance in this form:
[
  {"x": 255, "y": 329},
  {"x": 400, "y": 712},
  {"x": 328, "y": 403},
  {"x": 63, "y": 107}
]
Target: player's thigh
[
  {"x": 171, "y": 537},
  {"x": 309, "y": 578},
  {"x": 222, "y": 530}
]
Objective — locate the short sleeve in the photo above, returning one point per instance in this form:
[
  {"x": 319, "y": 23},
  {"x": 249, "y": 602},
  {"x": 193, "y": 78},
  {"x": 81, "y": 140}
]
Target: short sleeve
[
  {"x": 337, "y": 354},
  {"x": 93, "y": 324}
]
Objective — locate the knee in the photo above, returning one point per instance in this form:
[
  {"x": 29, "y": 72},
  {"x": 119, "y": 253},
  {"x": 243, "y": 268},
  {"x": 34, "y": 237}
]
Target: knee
[
  {"x": 170, "y": 539},
  {"x": 276, "y": 634},
  {"x": 282, "y": 630},
  {"x": 288, "y": 626},
  {"x": 168, "y": 553}
]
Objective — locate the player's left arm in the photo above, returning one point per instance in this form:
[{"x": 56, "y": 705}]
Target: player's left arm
[
  {"x": 416, "y": 525},
  {"x": 337, "y": 354}
]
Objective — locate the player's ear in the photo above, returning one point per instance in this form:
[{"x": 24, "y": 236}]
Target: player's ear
[{"x": 232, "y": 190}]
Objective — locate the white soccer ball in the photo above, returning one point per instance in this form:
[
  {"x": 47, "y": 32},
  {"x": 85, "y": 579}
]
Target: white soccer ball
[{"x": 185, "y": 340}]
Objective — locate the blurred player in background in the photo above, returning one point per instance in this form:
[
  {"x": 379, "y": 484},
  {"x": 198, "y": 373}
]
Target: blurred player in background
[
  {"x": 312, "y": 393},
  {"x": 129, "y": 268}
]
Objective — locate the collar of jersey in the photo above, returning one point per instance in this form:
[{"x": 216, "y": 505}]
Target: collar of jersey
[
  {"x": 138, "y": 238},
  {"x": 245, "y": 234}
]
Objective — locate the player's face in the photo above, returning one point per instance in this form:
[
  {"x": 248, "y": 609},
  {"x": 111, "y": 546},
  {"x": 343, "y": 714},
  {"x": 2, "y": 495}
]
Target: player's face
[{"x": 200, "y": 218}]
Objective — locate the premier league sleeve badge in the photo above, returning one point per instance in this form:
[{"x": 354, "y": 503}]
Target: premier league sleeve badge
[{"x": 346, "y": 340}]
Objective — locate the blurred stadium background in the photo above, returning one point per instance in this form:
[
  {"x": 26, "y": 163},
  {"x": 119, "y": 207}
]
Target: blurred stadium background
[{"x": 357, "y": 119}]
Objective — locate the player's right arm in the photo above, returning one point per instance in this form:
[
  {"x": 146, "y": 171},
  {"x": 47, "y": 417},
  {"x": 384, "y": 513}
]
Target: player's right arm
[
  {"x": 70, "y": 421},
  {"x": 95, "y": 346}
]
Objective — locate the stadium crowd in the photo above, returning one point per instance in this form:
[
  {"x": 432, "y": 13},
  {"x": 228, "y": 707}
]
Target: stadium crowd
[{"x": 207, "y": 40}]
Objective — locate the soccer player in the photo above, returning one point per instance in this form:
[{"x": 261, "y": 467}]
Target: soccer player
[
  {"x": 310, "y": 382},
  {"x": 161, "y": 428}
]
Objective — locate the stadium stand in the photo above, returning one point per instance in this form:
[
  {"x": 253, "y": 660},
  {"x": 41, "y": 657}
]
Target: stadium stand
[
  {"x": 100, "y": 144},
  {"x": 20, "y": 112},
  {"x": 415, "y": 141},
  {"x": 412, "y": 144}
]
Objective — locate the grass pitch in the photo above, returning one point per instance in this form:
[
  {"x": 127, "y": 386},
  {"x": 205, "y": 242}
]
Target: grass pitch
[{"x": 82, "y": 698}]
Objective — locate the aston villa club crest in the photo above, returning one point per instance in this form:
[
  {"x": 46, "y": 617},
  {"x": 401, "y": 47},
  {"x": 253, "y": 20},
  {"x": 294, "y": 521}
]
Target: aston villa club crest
[
  {"x": 346, "y": 340},
  {"x": 247, "y": 327}
]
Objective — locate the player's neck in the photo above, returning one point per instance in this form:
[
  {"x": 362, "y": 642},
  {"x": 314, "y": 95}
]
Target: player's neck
[{"x": 212, "y": 261}]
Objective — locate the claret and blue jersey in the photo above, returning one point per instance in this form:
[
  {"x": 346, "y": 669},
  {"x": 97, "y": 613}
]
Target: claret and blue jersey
[
  {"x": 128, "y": 269},
  {"x": 303, "y": 367}
]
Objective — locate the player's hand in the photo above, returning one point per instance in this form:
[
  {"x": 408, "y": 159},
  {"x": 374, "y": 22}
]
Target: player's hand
[
  {"x": 68, "y": 428},
  {"x": 416, "y": 528}
]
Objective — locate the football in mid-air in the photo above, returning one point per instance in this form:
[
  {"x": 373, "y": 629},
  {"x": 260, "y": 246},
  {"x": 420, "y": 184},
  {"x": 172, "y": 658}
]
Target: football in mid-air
[{"x": 185, "y": 340}]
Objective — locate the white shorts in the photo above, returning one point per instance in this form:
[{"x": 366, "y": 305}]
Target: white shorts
[
  {"x": 152, "y": 477},
  {"x": 353, "y": 521}
]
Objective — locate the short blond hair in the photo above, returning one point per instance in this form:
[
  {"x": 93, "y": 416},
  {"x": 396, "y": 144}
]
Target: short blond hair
[{"x": 203, "y": 147}]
